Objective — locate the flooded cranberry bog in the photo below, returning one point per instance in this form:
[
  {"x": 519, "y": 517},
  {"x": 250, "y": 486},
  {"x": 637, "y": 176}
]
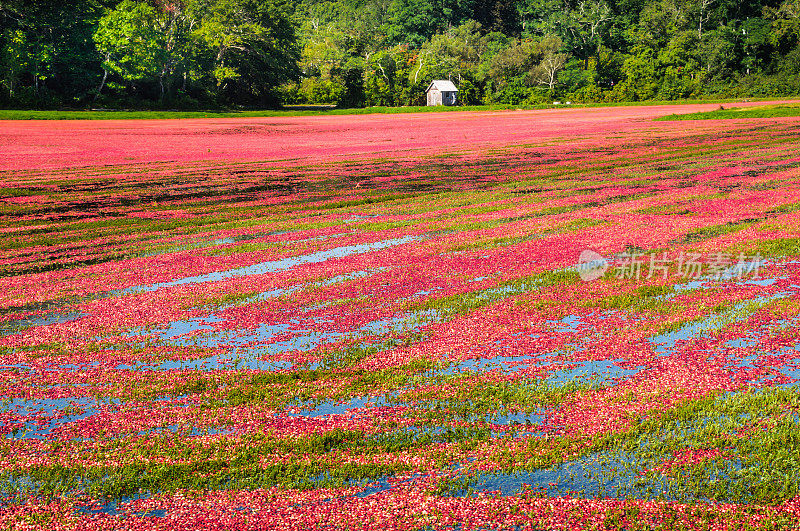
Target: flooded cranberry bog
[{"x": 569, "y": 319}]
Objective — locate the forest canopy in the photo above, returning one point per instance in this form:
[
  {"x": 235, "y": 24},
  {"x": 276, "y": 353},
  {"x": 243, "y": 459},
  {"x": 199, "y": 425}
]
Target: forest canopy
[{"x": 228, "y": 53}]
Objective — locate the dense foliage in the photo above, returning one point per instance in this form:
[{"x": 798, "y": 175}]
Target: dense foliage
[{"x": 384, "y": 52}]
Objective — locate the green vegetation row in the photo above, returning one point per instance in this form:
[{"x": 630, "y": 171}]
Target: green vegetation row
[{"x": 781, "y": 111}]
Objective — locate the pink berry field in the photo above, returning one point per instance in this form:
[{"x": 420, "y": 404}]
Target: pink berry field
[{"x": 579, "y": 318}]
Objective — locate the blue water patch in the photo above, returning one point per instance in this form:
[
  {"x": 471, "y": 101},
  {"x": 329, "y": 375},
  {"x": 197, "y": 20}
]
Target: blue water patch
[
  {"x": 763, "y": 283},
  {"x": 370, "y": 486},
  {"x": 426, "y": 292},
  {"x": 791, "y": 372},
  {"x": 600, "y": 372},
  {"x": 742, "y": 269},
  {"x": 505, "y": 363},
  {"x": 337, "y": 407},
  {"x": 187, "y": 431},
  {"x": 401, "y": 323},
  {"x": 273, "y": 266},
  {"x": 210, "y": 363},
  {"x": 252, "y": 348},
  {"x": 41, "y": 428},
  {"x": 594, "y": 476},
  {"x": 176, "y": 330},
  {"x": 520, "y": 418},
  {"x": 44, "y": 415},
  {"x": 380, "y": 485},
  {"x": 688, "y": 286},
  {"x": 111, "y": 508},
  {"x": 15, "y": 326},
  {"x": 742, "y": 342},
  {"x": 741, "y": 273},
  {"x": 180, "y": 328},
  {"x": 665, "y": 343},
  {"x": 569, "y": 324},
  {"x": 747, "y": 361}
]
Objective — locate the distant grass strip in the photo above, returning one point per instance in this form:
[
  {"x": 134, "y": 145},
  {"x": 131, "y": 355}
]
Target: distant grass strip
[
  {"x": 314, "y": 110},
  {"x": 179, "y": 115},
  {"x": 738, "y": 113}
]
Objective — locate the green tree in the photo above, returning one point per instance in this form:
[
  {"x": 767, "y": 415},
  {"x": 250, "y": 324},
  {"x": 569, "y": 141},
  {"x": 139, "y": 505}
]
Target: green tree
[
  {"x": 413, "y": 22},
  {"x": 350, "y": 76},
  {"x": 497, "y": 15},
  {"x": 380, "y": 78},
  {"x": 237, "y": 50},
  {"x": 641, "y": 81},
  {"x": 143, "y": 43},
  {"x": 757, "y": 43},
  {"x": 551, "y": 62},
  {"x": 525, "y": 68},
  {"x": 383, "y": 52},
  {"x": 46, "y": 49},
  {"x": 785, "y": 24},
  {"x": 719, "y": 53},
  {"x": 451, "y": 55},
  {"x": 251, "y": 46},
  {"x": 16, "y": 59}
]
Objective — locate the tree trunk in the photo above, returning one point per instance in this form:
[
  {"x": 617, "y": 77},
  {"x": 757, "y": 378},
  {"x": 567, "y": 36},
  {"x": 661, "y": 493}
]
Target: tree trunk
[
  {"x": 102, "y": 84},
  {"x": 419, "y": 69}
]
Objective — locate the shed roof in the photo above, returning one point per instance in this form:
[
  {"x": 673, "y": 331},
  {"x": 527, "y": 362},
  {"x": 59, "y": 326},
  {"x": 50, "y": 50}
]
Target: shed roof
[{"x": 442, "y": 85}]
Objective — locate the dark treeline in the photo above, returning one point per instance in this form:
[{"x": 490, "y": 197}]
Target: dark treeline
[{"x": 204, "y": 53}]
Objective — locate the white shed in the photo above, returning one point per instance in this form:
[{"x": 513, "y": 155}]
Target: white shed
[{"x": 441, "y": 92}]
